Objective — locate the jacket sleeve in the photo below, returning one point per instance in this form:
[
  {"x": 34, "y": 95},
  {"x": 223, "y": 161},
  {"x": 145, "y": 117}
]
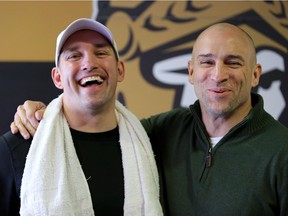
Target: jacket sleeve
[
  {"x": 8, "y": 197},
  {"x": 282, "y": 191},
  {"x": 13, "y": 152}
]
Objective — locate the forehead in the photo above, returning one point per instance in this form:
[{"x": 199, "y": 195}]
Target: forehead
[
  {"x": 223, "y": 41},
  {"x": 86, "y": 36}
]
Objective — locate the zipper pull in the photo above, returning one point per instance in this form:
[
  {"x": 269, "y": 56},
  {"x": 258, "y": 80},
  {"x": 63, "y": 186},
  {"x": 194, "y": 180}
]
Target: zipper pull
[{"x": 209, "y": 158}]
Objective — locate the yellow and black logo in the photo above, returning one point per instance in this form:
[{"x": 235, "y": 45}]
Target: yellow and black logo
[{"x": 155, "y": 40}]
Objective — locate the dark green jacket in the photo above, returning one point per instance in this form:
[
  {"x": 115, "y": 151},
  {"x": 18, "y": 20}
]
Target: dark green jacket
[{"x": 248, "y": 174}]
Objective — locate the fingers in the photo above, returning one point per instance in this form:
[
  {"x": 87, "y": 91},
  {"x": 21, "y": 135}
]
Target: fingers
[
  {"x": 39, "y": 113},
  {"x": 19, "y": 127},
  {"x": 27, "y": 117},
  {"x": 22, "y": 124},
  {"x": 27, "y": 114},
  {"x": 13, "y": 128}
]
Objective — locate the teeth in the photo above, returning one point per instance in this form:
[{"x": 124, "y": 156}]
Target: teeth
[{"x": 84, "y": 81}]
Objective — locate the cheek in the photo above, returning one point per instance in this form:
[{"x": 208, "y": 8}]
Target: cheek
[
  {"x": 199, "y": 77},
  {"x": 69, "y": 78},
  {"x": 112, "y": 70},
  {"x": 246, "y": 79},
  {"x": 199, "y": 80}
]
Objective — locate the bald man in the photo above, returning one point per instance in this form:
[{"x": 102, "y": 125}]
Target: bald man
[{"x": 224, "y": 155}]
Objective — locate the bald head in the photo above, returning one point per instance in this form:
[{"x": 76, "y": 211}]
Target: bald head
[
  {"x": 222, "y": 35},
  {"x": 223, "y": 70}
]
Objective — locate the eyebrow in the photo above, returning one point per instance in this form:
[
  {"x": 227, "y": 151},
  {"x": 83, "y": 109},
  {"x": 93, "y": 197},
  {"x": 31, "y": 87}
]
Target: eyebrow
[
  {"x": 210, "y": 55},
  {"x": 97, "y": 45},
  {"x": 102, "y": 45},
  {"x": 235, "y": 57}
]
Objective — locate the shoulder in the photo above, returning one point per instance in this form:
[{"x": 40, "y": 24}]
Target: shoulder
[
  {"x": 13, "y": 142},
  {"x": 168, "y": 116},
  {"x": 176, "y": 117},
  {"x": 13, "y": 150},
  {"x": 272, "y": 126}
]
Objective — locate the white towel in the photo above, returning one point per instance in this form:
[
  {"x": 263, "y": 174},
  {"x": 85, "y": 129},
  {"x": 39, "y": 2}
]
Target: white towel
[{"x": 53, "y": 181}]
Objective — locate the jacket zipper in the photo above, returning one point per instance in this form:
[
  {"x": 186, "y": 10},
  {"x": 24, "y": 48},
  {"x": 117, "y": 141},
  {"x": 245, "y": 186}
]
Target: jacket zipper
[
  {"x": 209, "y": 158},
  {"x": 207, "y": 164}
]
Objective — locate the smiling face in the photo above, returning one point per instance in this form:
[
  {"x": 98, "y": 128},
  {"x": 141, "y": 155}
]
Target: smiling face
[
  {"x": 223, "y": 70},
  {"x": 88, "y": 73}
]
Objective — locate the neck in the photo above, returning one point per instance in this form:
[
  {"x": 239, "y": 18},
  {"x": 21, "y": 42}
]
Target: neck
[
  {"x": 91, "y": 121},
  {"x": 219, "y": 125}
]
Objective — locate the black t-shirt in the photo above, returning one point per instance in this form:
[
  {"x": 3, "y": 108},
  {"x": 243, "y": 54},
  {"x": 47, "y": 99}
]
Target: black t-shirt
[{"x": 100, "y": 158}]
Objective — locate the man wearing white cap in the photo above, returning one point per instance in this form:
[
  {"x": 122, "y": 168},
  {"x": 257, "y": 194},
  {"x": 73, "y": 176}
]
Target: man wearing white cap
[{"x": 90, "y": 155}]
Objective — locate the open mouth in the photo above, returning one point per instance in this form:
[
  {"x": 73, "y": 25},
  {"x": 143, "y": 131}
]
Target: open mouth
[
  {"x": 219, "y": 91},
  {"x": 91, "y": 81}
]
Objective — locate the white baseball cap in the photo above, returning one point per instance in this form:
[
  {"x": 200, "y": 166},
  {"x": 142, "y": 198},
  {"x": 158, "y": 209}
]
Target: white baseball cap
[{"x": 82, "y": 24}]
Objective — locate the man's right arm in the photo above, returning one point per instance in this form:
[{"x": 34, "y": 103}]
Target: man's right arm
[{"x": 27, "y": 117}]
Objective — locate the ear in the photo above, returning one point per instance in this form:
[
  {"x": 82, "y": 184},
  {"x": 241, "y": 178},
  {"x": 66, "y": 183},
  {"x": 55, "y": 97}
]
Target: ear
[
  {"x": 121, "y": 71},
  {"x": 256, "y": 75},
  {"x": 56, "y": 77},
  {"x": 190, "y": 71}
]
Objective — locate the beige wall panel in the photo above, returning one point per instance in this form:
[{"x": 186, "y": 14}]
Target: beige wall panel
[{"x": 29, "y": 28}]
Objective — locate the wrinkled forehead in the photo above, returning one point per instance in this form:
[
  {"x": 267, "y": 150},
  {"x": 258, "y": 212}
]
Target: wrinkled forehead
[{"x": 225, "y": 39}]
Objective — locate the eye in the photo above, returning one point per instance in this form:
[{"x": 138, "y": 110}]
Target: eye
[
  {"x": 73, "y": 56},
  {"x": 101, "y": 53},
  {"x": 234, "y": 64},
  {"x": 206, "y": 63}
]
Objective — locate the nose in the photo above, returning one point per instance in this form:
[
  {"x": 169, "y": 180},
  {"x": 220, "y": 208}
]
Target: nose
[
  {"x": 219, "y": 73},
  {"x": 89, "y": 62}
]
